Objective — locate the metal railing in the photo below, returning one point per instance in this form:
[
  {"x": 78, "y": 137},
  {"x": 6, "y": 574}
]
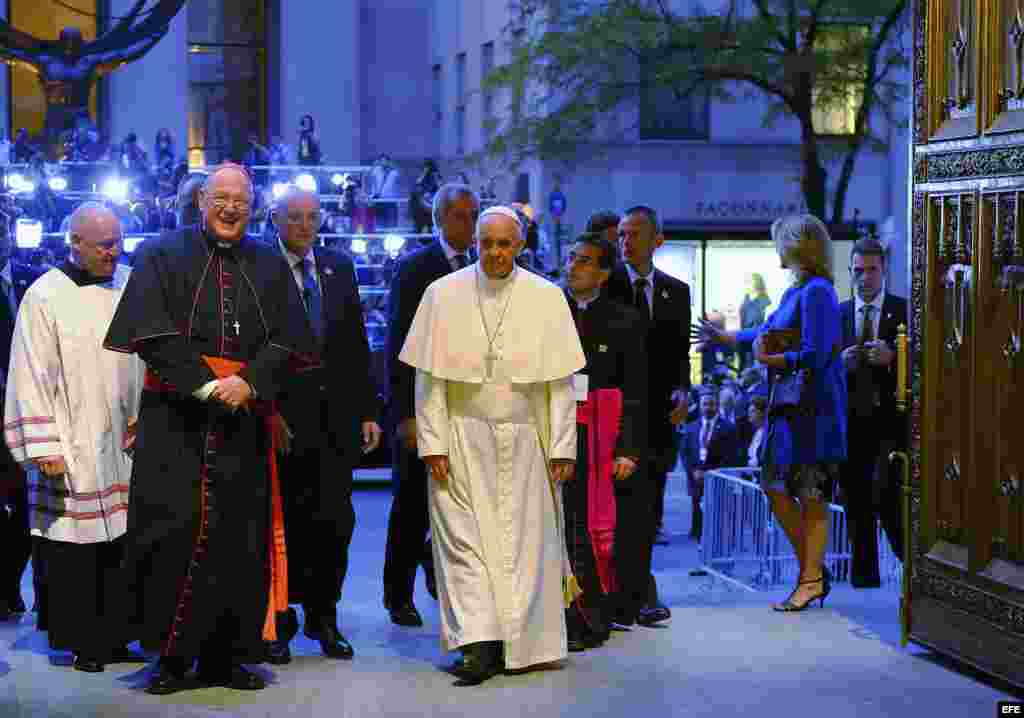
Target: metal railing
[{"x": 742, "y": 540}]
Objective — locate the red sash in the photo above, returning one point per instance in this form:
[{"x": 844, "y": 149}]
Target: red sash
[
  {"x": 601, "y": 414},
  {"x": 278, "y": 558}
]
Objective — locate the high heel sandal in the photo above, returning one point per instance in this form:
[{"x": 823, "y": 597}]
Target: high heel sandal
[{"x": 789, "y": 606}]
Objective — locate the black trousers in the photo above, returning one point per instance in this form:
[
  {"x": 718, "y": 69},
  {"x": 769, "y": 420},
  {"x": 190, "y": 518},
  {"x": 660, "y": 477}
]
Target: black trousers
[
  {"x": 16, "y": 542},
  {"x": 408, "y": 527},
  {"x": 87, "y": 601},
  {"x": 316, "y": 492},
  {"x": 869, "y": 494},
  {"x": 589, "y": 613},
  {"x": 634, "y": 543}
]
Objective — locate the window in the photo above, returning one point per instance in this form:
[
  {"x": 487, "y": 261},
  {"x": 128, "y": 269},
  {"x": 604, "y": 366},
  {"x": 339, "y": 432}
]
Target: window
[
  {"x": 664, "y": 115},
  {"x": 486, "y": 67},
  {"x": 226, "y": 76},
  {"x": 838, "y": 98},
  {"x": 460, "y": 103},
  {"x": 438, "y": 103},
  {"x": 43, "y": 21}
]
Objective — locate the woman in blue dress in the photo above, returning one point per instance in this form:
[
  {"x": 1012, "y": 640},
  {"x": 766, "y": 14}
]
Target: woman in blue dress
[{"x": 801, "y": 453}]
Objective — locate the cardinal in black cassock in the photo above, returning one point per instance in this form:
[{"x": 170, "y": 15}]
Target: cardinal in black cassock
[{"x": 198, "y": 551}]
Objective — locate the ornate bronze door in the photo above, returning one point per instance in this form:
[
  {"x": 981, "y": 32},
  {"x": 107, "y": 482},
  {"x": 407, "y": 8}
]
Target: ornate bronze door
[{"x": 966, "y": 595}]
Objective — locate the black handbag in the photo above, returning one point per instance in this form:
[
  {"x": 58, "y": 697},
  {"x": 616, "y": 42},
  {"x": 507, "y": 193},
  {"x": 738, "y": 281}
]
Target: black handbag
[{"x": 792, "y": 392}]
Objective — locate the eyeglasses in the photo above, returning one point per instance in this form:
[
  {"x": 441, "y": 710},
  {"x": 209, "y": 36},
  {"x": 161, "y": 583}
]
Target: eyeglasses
[{"x": 240, "y": 205}]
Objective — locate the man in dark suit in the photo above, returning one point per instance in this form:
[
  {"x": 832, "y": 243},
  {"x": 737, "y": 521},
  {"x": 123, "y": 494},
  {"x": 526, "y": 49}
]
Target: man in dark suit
[
  {"x": 708, "y": 443},
  {"x": 613, "y": 342},
  {"x": 666, "y": 302},
  {"x": 15, "y": 279},
  {"x": 329, "y": 410},
  {"x": 875, "y": 427},
  {"x": 455, "y": 211}
]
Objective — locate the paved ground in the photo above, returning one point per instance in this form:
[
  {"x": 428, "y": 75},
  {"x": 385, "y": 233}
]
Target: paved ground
[{"x": 724, "y": 653}]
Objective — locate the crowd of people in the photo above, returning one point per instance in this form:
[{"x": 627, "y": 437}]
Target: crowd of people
[{"x": 202, "y": 487}]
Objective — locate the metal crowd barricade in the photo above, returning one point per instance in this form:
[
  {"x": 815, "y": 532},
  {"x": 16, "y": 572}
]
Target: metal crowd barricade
[{"x": 743, "y": 541}]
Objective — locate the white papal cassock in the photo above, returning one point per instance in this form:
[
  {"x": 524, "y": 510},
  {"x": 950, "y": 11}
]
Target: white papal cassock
[
  {"x": 499, "y": 412},
  {"x": 68, "y": 396}
]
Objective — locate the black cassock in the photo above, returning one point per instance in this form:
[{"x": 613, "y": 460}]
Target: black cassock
[{"x": 196, "y": 550}]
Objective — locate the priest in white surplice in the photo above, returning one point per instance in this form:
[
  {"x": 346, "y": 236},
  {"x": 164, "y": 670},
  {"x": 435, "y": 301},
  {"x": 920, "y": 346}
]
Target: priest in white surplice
[
  {"x": 496, "y": 351},
  {"x": 68, "y": 412}
]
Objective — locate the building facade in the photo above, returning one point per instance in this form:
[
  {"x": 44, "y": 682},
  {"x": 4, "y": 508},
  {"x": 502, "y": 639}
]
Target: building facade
[{"x": 715, "y": 173}]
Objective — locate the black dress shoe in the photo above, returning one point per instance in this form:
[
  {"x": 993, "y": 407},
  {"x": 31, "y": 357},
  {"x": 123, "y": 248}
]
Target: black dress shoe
[
  {"x": 332, "y": 643},
  {"x": 236, "y": 677},
  {"x": 123, "y": 654},
  {"x": 166, "y": 680},
  {"x": 480, "y": 662},
  {"x": 406, "y": 615},
  {"x": 87, "y": 664},
  {"x": 651, "y": 615},
  {"x": 278, "y": 652}
]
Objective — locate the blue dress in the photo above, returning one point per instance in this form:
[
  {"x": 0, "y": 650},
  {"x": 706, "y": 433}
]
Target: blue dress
[{"x": 801, "y": 454}]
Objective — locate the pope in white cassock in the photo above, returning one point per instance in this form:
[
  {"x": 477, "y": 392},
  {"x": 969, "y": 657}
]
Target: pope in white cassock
[
  {"x": 69, "y": 420},
  {"x": 496, "y": 350}
]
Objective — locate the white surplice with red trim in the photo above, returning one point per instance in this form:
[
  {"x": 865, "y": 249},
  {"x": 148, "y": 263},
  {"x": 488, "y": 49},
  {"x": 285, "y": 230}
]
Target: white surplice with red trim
[{"x": 68, "y": 396}]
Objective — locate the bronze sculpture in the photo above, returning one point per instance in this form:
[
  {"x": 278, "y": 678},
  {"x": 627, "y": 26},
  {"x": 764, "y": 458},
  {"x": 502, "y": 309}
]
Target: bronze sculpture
[{"x": 68, "y": 67}]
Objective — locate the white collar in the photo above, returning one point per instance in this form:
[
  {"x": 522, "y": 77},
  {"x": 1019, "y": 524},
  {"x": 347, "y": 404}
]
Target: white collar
[
  {"x": 584, "y": 303},
  {"x": 293, "y": 258},
  {"x": 634, "y": 275},
  {"x": 496, "y": 286},
  {"x": 876, "y": 302}
]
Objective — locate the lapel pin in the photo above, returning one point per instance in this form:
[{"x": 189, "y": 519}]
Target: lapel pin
[
  {"x": 328, "y": 271},
  {"x": 602, "y": 347},
  {"x": 664, "y": 294}
]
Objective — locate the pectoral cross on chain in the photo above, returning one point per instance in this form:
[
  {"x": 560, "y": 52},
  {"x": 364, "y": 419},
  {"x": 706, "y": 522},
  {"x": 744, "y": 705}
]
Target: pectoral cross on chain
[
  {"x": 237, "y": 327},
  {"x": 490, "y": 358}
]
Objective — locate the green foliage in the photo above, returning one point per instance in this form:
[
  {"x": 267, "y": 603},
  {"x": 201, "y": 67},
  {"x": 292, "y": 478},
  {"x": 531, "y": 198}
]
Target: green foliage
[{"x": 579, "y": 69}]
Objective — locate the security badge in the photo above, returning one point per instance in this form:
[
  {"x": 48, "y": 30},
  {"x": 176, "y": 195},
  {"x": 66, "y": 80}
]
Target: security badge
[{"x": 602, "y": 347}]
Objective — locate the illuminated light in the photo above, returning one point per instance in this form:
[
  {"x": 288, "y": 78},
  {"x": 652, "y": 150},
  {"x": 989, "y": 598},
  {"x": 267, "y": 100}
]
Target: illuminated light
[
  {"x": 130, "y": 243},
  {"x": 116, "y": 189},
  {"x": 17, "y": 183},
  {"x": 279, "y": 189},
  {"x": 393, "y": 244},
  {"x": 306, "y": 182},
  {"x": 28, "y": 233},
  {"x": 337, "y": 180},
  {"x": 58, "y": 184},
  {"x": 359, "y": 246}
]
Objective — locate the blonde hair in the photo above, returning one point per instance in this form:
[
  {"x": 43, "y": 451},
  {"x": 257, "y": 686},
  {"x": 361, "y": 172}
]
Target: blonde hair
[{"x": 805, "y": 246}]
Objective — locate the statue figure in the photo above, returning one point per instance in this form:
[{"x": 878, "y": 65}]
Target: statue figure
[{"x": 68, "y": 67}]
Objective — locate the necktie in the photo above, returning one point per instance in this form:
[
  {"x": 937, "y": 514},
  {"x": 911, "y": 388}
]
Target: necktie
[
  {"x": 868, "y": 327},
  {"x": 461, "y": 260},
  {"x": 581, "y": 320},
  {"x": 640, "y": 300},
  {"x": 311, "y": 295},
  {"x": 866, "y": 394},
  {"x": 705, "y": 434}
]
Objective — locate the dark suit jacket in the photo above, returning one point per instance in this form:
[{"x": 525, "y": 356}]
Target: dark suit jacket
[
  {"x": 894, "y": 312},
  {"x": 344, "y": 378},
  {"x": 667, "y": 347},
  {"x": 613, "y": 342},
  {"x": 22, "y": 275},
  {"x": 411, "y": 278},
  {"x": 721, "y": 446}
]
